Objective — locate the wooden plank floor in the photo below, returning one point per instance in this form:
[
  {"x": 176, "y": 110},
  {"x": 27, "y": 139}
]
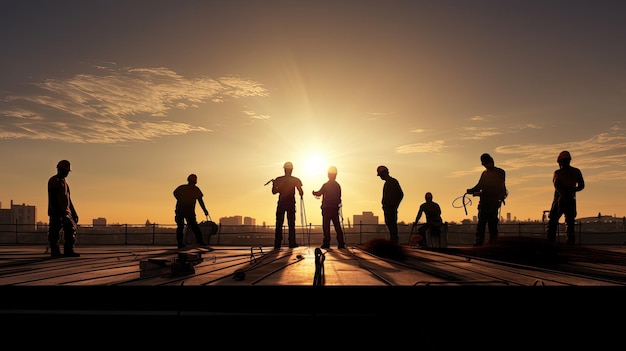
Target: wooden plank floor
[
  {"x": 262, "y": 266},
  {"x": 258, "y": 289}
]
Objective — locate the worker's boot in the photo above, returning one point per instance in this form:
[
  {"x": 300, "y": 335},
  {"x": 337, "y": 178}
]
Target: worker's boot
[
  {"x": 69, "y": 252},
  {"x": 55, "y": 251}
]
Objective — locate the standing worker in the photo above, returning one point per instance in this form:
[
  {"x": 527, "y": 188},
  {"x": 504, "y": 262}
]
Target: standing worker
[
  {"x": 285, "y": 186},
  {"x": 392, "y": 196},
  {"x": 331, "y": 203},
  {"x": 432, "y": 211},
  {"x": 492, "y": 190},
  {"x": 186, "y": 196},
  {"x": 61, "y": 213},
  {"x": 567, "y": 182}
]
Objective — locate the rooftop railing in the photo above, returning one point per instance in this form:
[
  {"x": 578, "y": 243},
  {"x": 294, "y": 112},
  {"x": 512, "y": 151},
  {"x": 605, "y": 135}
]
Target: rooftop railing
[{"x": 589, "y": 233}]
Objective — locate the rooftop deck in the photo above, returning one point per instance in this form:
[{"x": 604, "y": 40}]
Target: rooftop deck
[{"x": 373, "y": 283}]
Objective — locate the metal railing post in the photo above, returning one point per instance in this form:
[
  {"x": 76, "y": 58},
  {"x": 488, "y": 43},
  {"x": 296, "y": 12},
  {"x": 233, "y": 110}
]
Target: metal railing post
[{"x": 360, "y": 232}]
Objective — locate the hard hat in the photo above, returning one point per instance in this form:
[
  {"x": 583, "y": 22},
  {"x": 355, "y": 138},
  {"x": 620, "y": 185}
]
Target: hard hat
[
  {"x": 64, "y": 164},
  {"x": 381, "y": 169},
  {"x": 564, "y": 155},
  {"x": 192, "y": 178},
  {"x": 332, "y": 169},
  {"x": 428, "y": 196},
  {"x": 288, "y": 165},
  {"x": 486, "y": 158}
]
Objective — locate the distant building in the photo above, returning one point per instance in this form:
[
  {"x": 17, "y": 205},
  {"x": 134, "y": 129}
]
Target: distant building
[
  {"x": 233, "y": 220},
  {"x": 5, "y": 220},
  {"x": 599, "y": 219},
  {"x": 102, "y": 222},
  {"x": 365, "y": 218},
  {"x": 5, "y": 216},
  {"x": 23, "y": 215},
  {"x": 249, "y": 221}
]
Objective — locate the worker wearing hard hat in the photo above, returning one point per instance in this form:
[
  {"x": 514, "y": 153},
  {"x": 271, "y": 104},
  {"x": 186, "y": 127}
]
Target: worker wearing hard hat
[
  {"x": 491, "y": 188},
  {"x": 331, "y": 205},
  {"x": 61, "y": 213},
  {"x": 185, "y": 211},
  {"x": 392, "y": 196},
  {"x": 285, "y": 186},
  {"x": 567, "y": 182}
]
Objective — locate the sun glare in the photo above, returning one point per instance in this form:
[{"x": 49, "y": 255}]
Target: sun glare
[{"x": 311, "y": 168}]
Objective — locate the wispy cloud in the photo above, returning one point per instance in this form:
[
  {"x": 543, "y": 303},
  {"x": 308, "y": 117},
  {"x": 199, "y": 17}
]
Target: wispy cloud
[
  {"x": 598, "y": 151},
  {"x": 433, "y": 146},
  {"x": 478, "y": 133},
  {"x": 478, "y": 118},
  {"x": 116, "y": 104},
  {"x": 481, "y": 131},
  {"x": 255, "y": 115},
  {"x": 377, "y": 115},
  {"x": 606, "y": 176}
]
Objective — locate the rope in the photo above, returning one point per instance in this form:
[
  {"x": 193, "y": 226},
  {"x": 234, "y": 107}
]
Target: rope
[{"x": 464, "y": 202}]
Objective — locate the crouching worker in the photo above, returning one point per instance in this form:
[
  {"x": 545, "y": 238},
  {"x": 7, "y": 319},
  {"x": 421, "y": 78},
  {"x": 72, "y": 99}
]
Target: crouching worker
[{"x": 432, "y": 211}]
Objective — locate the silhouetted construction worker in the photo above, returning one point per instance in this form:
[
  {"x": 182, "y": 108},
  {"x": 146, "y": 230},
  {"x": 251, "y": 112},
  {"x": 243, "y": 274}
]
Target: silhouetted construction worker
[
  {"x": 432, "y": 211},
  {"x": 285, "y": 186},
  {"x": 567, "y": 182},
  {"x": 61, "y": 212},
  {"x": 492, "y": 190},
  {"x": 186, "y": 196},
  {"x": 331, "y": 204},
  {"x": 392, "y": 196}
]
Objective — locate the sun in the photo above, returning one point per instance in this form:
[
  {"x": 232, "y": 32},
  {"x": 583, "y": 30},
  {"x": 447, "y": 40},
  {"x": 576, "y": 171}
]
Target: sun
[{"x": 313, "y": 166}]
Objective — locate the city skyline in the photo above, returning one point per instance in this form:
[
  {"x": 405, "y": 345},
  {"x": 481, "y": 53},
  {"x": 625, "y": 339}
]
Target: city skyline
[
  {"x": 365, "y": 217},
  {"x": 138, "y": 95}
]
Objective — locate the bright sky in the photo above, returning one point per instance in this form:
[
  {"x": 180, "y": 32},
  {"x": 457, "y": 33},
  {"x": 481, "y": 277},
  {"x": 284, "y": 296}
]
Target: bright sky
[{"x": 139, "y": 94}]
